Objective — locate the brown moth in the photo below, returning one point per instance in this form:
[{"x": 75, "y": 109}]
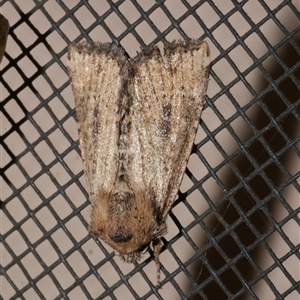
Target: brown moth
[{"x": 137, "y": 121}]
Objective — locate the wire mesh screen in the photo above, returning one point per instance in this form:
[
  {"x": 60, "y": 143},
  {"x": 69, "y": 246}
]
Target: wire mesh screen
[{"x": 233, "y": 232}]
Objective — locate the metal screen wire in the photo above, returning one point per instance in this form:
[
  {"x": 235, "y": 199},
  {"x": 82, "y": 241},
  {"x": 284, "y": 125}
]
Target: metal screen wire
[{"x": 234, "y": 228}]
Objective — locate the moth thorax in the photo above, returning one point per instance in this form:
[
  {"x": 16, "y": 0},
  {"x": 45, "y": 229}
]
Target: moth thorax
[{"x": 121, "y": 202}]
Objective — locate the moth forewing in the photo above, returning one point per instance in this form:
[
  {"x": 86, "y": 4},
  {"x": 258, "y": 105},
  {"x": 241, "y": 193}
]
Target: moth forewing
[{"x": 137, "y": 121}]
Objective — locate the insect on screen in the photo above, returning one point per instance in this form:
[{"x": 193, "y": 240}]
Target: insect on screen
[{"x": 233, "y": 228}]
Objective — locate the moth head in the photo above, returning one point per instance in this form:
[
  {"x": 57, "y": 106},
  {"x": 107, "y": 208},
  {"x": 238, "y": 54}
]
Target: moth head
[
  {"x": 134, "y": 256},
  {"x": 128, "y": 222}
]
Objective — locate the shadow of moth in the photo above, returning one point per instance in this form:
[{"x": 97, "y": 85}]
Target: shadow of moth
[{"x": 137, "y": 121}]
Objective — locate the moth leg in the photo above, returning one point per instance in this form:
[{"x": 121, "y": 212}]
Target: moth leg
[{"x": 157, "y": 245}]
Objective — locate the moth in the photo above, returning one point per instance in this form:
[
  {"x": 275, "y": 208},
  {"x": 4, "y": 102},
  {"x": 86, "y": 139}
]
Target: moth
[{"x": 137, "y": 121}]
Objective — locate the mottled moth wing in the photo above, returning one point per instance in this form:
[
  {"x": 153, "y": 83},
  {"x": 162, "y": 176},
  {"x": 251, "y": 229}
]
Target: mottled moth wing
[
  {"x": 97, "y": 86},
  {"x": 169, "y": 97},
  {"x": 137, "y": 121}
]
